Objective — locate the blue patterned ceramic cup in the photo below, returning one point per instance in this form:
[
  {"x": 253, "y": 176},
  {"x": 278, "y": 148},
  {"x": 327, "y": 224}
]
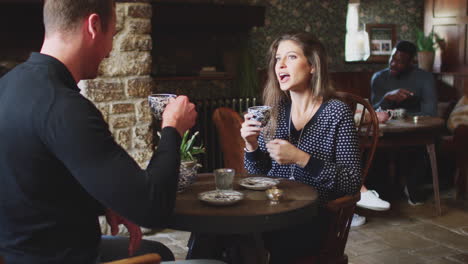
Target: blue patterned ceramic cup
[
  {"x": 260, "y": 113},
  {"x": 158, "y": 102}
]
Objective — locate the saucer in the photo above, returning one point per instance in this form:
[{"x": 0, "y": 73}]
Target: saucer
[
  {"x": 258, "y": 183},
  {"x": 221, "y": 197}
]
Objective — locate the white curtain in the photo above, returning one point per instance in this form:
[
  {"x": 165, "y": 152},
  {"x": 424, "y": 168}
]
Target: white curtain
[{"x": 357, "y": 42}]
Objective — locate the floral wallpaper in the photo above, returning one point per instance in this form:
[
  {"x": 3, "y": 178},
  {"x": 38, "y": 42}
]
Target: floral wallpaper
[{"x": 327, "y": 20}]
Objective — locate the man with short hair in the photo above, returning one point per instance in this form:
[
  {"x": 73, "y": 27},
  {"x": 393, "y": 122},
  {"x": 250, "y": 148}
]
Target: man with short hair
[
  {"x": 59, "y": 164},
  {"x": 404, "y": 85}
]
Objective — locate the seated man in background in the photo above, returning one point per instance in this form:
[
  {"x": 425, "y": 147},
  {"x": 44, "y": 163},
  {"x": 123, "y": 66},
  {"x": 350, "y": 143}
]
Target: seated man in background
[{"x": 404, "y": 85}]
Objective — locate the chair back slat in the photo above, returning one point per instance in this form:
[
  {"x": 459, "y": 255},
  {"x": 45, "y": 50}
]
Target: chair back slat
[{"x": 228, "y": 124}]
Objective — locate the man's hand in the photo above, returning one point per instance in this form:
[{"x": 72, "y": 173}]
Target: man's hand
[
  {"x": 398, "y": 95},
  {"x": 180, "y": 114},
  {"x": 114, "y": 220}
]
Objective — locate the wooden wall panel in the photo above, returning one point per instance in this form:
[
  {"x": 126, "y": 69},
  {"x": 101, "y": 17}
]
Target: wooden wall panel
[
  {"x": 448, "y": 57},
  {"x": 446, "y": 8}
]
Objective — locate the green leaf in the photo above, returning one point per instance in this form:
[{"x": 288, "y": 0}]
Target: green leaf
[
  {"x": 187, "y": 148},
  {"x": 427, "y": 43}
]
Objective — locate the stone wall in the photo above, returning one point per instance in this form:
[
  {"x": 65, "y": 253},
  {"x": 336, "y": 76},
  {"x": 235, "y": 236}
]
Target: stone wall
[{"x": 124, "y": 81}]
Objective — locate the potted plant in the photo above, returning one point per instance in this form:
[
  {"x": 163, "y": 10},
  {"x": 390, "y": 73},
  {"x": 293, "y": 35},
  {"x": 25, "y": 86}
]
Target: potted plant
[
  {"x": 426, "y": 49},
  {"x": 188, "y": 162}
]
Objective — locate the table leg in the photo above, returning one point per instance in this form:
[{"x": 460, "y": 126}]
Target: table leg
[
  {"x": 203, "y": 246},
  {"x": 435, "y": 176},
  {"x": 233, "y": 249}
]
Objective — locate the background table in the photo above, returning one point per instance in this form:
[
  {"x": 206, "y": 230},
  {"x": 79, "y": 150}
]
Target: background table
[{"x": 407, "y": 132}]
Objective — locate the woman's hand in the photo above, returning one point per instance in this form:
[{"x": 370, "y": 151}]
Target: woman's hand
[
  {"x": 250, "y": 131},
  {"x": 284, "y": 152}
]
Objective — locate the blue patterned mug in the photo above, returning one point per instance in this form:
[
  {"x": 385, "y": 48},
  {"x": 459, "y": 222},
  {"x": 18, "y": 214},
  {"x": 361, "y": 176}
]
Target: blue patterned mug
[
  {"x": 158, "y": 102},
  {"x": 260, "y": 113}
]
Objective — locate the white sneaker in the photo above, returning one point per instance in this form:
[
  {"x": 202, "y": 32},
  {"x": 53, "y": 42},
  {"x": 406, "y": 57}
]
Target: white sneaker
[
  {"x": 370, "y": 200},
  {"x": 358, "y": 220}
]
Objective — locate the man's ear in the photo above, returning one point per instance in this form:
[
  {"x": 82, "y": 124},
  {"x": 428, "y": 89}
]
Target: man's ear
[
  {"x": 93, "y": 25},
  {"x": 312, "y": 70}
]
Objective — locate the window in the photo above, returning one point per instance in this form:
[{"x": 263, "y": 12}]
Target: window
[{"x": 357, "y": 41}]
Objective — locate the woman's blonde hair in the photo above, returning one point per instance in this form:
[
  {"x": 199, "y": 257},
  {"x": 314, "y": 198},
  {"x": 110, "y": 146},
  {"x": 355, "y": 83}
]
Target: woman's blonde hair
[{"x": 320, "y": 83}]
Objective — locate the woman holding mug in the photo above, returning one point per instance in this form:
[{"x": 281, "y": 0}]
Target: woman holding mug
[{"x": 313, "y": 137}]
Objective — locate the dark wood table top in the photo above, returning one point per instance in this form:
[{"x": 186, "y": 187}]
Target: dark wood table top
[
  {"x": 410, "y": 125},
  {"x": 255, "y": 213}
]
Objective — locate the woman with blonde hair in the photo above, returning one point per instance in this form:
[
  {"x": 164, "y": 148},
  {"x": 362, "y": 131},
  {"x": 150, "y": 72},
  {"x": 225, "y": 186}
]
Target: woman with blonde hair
[{"x": 310, "y": 138}]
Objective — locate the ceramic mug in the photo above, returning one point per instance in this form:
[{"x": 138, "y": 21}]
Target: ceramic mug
[
  {"x": 398, "y": 114},
  {"x": 158, "y": 103},
  {"x": 260, "y": 113}
]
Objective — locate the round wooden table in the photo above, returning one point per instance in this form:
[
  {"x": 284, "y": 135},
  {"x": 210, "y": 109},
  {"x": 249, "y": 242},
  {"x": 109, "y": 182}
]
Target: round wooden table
[
  {"x": 216, "y": 230},
  {"x": 255, "y": 213}
]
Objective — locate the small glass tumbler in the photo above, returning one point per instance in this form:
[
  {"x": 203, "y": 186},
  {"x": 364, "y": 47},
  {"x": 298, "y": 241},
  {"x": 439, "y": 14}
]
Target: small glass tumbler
[
  {"x": 224, "y": 178},
  {"x": 158, "y": 103},
  {"x": 260, "y": 113}
]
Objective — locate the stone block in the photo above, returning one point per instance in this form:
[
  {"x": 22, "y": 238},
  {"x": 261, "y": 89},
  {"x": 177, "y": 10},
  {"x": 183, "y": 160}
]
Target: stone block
[
  {"x": 143, "y": 137},
  {"x": 136, "y": 43},
  {"x": 138, "y": 26},
  {"x": 117, "y": 122},
  {"x": 99, "y": 90},
  {"x": 143, "y": 112},
  {"x": 120, "y": 13},
  {"x": 140, "y": 11},
  {"x": 139, "y": 87},
  {"x": 126, "y": 64},
  {"x": 122, "y": 108},
  {"x": 124, "y": 138}
]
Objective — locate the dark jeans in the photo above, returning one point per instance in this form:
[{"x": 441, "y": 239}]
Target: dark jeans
[
  {"x": 116, "y": 247},
  {"x": 412, "y": 163}
]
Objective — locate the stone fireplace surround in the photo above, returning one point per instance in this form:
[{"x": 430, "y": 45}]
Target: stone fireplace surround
[{"x": 124, "y": 81}]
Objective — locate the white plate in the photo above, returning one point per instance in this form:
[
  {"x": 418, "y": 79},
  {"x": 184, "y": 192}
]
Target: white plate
[
  {"x": 224, "y": 197},
  {"x": 258, "y": 183}
]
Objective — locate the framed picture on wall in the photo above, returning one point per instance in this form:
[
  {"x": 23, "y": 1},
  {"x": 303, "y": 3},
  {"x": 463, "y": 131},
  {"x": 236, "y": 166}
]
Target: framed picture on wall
[{"x": 382, "y": 39}]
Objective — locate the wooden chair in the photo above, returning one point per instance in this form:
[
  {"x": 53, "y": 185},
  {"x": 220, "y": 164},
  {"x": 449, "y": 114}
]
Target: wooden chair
[
  {"x": 151, "y": 258},
  {"x": 341, "y": 210},
  {"x": 228, "y": 124}
]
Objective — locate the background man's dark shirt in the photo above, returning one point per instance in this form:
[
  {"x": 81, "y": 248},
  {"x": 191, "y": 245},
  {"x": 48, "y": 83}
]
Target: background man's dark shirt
[
  {"x": 60, "y": 166},
  {"x": 417, "y": 81}
]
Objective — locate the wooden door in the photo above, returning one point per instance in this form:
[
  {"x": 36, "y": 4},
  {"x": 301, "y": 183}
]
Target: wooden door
[{"x": 449, "y": 19}]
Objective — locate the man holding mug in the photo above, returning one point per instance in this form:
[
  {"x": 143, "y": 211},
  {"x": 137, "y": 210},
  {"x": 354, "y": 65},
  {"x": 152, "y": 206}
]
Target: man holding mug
[{"x": 403, "y": 87}]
